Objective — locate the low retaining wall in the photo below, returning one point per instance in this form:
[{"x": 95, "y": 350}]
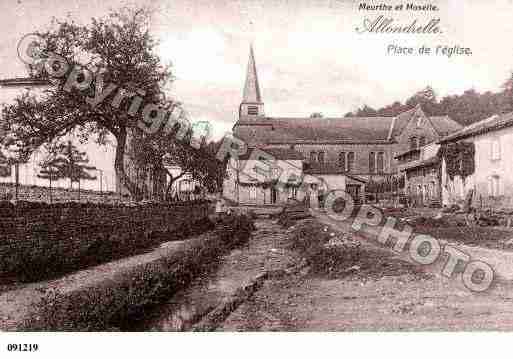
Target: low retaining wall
[
  {"x": 58, "y": 194},
  {"x": 38, "y": 240},
  {"x": 113, "y": 295}
]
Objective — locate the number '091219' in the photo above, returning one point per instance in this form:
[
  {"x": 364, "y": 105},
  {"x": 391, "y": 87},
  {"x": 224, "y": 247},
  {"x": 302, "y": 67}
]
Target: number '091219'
[{"x": 22, "y": 347}]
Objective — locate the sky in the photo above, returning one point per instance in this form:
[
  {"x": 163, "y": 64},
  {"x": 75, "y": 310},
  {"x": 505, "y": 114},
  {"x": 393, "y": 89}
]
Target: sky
[{"x": 309, "y": 56}]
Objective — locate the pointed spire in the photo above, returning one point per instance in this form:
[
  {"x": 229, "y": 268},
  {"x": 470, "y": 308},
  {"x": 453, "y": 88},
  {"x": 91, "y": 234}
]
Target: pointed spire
[{"x": 251, "y": 88}]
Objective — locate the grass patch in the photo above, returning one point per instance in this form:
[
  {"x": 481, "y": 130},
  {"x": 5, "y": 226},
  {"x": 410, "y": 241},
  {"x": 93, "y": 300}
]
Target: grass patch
[
  {"x": 126, "y": 298},
  {"x": 326, "y": 251}
]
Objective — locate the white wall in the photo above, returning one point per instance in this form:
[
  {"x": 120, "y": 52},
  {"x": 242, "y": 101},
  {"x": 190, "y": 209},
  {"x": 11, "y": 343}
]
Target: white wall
[{"x": 485, "y": 169}]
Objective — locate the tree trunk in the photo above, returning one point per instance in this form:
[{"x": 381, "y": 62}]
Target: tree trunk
[
  {"x": 171, "y": 181},
  {"x": 119, "y": 166},
  {"x": 159, "y": 180}
]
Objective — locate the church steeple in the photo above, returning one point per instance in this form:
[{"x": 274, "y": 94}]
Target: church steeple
[{"x": 252, "y": 105}]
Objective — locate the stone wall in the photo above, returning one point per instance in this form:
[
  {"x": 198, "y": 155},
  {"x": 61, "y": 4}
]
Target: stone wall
[
  {"x": 38, "y": 239},
  {"x": 42, "y": 194}
]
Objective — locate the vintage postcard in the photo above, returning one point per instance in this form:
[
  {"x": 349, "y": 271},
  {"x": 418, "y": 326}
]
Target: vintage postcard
[{"x": 255, "y": 166}]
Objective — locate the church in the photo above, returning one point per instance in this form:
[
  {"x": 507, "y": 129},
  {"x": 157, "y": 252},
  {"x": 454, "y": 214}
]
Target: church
[{"x": 341, "y": 153}]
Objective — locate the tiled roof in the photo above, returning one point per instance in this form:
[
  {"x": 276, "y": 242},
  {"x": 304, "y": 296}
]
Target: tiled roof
[
  {"x": 356, "y": 178},
  {"x": 378, "y": 129},
  {"x": 493, "y": 123},
  {"x": 444, "y": 125},
  {"x": 315, "y": 130},
  {"x": 399, "y": 155},
  {"x": 402, "y": 120},
  {"x": 419, "y": 163}
]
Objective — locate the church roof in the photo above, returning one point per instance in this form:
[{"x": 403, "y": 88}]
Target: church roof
[
  {"x": 251, "y": 92},
  {"x": 315, "y": 130},
  {"x": 376, "y": 129},
  {"x": 279, "y": 130}
]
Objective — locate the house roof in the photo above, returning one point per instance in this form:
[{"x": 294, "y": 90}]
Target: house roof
[
  {"x": 377, "y": 129},
  {"x": 356, "y": 178},
  {"x": 402, "y": 154},
  {"x": 493, "y": 123},
  {"x": 444, "y": 126},
  {"x": 420, "y": 163}
]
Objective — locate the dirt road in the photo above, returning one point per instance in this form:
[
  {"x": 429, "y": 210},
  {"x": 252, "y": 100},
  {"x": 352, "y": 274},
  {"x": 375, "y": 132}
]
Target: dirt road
[{"x": 385, "y": 292}]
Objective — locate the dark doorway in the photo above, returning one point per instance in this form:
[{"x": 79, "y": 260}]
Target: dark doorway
[
  {"x": 355, "y": 192},
  {"x": 274, "y": 195}
]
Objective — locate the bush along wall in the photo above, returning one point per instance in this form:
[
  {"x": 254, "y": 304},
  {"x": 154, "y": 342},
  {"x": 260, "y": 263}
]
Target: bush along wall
[
  {"x": 40, "y": 241},
  {"x": 118, "y": 302}
]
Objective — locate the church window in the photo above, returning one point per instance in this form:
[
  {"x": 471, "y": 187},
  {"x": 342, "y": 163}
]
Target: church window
[
  {"x": 372, "y": 165},
  {"x": 350, "y": 161},
  {"x": 313, "y": 156},
  {"x": 253, "y": 110},
  {"x": 321, "y": 157},
  {"x": 342, "y": 160},
  {"x": 252, "y": 193},
  {"x": 413, "y": 143},
  {"x": 422, "y": 141}
]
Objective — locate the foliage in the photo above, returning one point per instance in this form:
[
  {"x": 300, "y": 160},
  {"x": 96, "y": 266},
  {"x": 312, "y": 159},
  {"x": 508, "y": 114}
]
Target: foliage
[
  {"x": 467, "y": 108},
  {"x": 326, "y": 251},
  {"x": 66, "y": 161},
  {"x": 5, "y": 166},
  {"x": 49, "y": 172},
  {"x": 459, "y": 158}
]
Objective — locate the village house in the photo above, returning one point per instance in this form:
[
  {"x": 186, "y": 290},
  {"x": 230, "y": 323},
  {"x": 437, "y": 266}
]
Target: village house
[
  {"x": 420, "y": 167},
  {"x": 492, "y": 177},
  {"x": 341, "y": 153}
]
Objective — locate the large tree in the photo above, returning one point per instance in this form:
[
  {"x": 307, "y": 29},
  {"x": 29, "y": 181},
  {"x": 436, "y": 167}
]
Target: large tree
[
  {"x": 121, "y": 53},
  {"x": 50, "y": 171},
  {"x": 190, "y": 154},
  {"x": 70, "y": 163}
]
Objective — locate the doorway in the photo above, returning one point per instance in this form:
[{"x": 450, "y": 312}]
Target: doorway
[{"x": 274, "y": 195}]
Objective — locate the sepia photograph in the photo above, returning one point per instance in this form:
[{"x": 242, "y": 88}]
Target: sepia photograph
[{"x": 255, "y": 166}]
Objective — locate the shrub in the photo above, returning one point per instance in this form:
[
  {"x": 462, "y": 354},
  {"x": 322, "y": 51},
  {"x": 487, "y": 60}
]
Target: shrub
[{"x": 325, "y": 250}]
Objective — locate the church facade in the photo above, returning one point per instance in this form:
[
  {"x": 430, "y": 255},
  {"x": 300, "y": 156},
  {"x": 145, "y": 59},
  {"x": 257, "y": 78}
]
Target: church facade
[{"x": 344, "y": 153}]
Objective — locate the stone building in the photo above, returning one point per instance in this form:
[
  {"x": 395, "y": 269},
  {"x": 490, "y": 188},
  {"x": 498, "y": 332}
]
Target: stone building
[
  {"x": 345, "y": 152},
  {"x": 421, "y": 168}
]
